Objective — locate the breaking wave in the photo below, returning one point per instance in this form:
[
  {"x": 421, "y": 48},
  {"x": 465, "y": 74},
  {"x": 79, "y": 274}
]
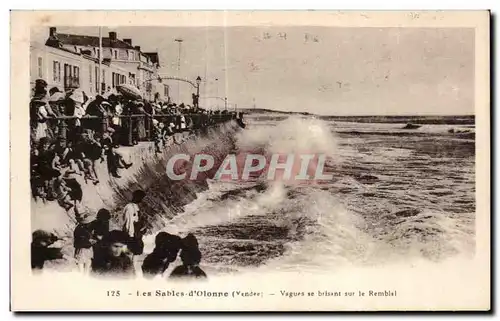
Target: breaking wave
[
  {"x": 384, "y": 204},
  {"x": 275, "y": 226}
]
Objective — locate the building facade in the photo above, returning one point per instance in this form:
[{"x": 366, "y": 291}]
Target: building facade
[{"x": 72, "y": 61}]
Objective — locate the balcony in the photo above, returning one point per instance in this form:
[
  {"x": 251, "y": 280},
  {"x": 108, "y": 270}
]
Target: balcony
[{"x": 146, "y": 66}]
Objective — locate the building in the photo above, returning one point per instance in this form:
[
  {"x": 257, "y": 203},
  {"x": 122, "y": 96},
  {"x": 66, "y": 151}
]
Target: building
[{"x": 72, "y": 61}]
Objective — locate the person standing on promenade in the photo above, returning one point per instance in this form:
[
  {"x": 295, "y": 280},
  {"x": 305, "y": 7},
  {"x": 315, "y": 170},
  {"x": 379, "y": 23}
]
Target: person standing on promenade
[
  {"x": 83, "y": 242},
  {"x": 133, "y": 224}
]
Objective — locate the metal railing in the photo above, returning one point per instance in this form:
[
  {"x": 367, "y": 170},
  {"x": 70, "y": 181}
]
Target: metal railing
[{"x": 131, "y": 123}]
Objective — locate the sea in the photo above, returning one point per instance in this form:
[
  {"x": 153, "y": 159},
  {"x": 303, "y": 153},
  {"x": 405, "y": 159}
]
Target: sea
[{"x": 399, "y": 193}]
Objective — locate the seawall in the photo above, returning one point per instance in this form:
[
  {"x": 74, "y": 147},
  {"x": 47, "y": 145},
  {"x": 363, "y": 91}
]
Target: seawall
[{"x": 165, "y": 197}]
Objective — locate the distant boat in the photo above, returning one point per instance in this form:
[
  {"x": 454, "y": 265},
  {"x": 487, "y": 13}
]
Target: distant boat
[{"x": 411, "y": 126}]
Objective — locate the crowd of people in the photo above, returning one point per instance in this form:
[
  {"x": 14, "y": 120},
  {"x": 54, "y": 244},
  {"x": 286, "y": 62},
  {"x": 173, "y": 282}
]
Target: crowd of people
[
  {"x": 100, "y": 251},
  {"x": 71, "y": 132}
]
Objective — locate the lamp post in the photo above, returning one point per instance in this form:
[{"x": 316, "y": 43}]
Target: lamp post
[
  {"x": 179, "y": 41},
  {"x": 225, "y": 103},
  {"x": 198, "y": 82}
]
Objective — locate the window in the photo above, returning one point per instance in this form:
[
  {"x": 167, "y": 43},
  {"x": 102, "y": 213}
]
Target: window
[
  {"x": 90, "y": 77},
  {"x": 97, "y": 80},
  {"x": 116, "y": 54},
  {"x": 76, "y": 76},
  {"x": 98, "y": 54},
  {"x": 67, "y": 76},
  {"x": 103, "y": 81},
  {"x": 56, "y": 71},
  {"x": 40, "y": 67}
]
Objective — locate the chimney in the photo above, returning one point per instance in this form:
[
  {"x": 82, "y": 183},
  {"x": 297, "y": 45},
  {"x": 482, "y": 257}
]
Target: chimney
[
  {"x": 138, "y": 48},
  {"x": 52, "y": 31},
  {"x": 128, "y": 41},
  {"x": 112, "y": 36}
]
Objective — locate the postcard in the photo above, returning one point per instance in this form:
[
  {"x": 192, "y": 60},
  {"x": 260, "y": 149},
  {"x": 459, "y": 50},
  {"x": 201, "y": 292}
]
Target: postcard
[{"x": 250, "y": 161}]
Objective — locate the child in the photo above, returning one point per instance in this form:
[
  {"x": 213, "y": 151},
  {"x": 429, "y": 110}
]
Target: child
[
  {"x": 83, "y": 243},
  {"x": 166, "y": 248},
  {"x": 115, "y": 261},
  {"x": 100, "y": 229},
  {"x": 62, "y": 193},
  {"x": 89, "y": 171},
  {"x": 115, "y": 161},
  {"x": 191, "y": 257},
  {"x": 70, "y": 178}
]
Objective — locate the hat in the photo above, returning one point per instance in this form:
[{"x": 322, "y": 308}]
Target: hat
[
  {"x": 111, "y": 130},
  {"x": 155, "y": 122},
  {"x": 85, "y": 218},
  {"x": 139, "y": 103},
  {"x": 41, "y": 236},
  {"x": 57, "y": 96},
  {"x": 54, "y": 90},
  {"x": 77, "y": 96},
  {"x": 40, "y": 82}
]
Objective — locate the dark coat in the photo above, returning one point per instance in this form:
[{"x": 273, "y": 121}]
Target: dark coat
[
  {"x": 40, "y": 254},
  {"x": 82, "y": 236},
  {"x": 154, "y": 264},
  {"x": 114, "y": 266},
  {"x": 184, "y": 271}
]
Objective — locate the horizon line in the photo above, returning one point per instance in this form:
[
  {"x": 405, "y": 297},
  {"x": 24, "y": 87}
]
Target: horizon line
[{"x": 360, "y": 115}]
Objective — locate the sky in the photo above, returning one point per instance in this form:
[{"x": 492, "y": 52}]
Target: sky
[{"x": 322, "y": 70}]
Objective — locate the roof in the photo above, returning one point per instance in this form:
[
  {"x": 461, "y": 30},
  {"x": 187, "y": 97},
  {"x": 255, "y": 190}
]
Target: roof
[
  {"x": 153, "y": 56},
  {"x": 91, "y": 41},
  {"x": 51, "y": 42}
]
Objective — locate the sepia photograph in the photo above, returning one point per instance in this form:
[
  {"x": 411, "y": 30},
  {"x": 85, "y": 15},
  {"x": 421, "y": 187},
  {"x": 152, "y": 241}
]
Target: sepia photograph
[{"x": 228, "y": 162}]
